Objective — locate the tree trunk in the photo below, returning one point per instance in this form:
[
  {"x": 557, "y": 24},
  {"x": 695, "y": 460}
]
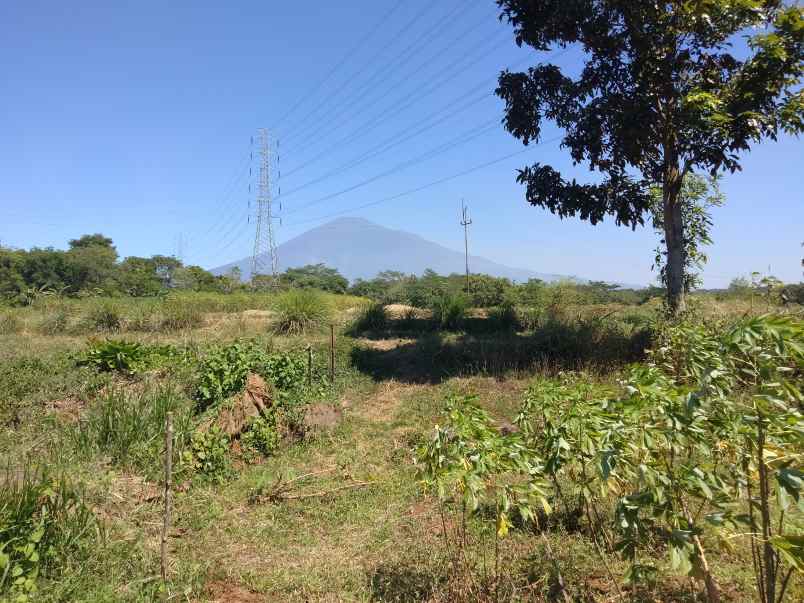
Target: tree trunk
[{"x": 674, "y": 239}]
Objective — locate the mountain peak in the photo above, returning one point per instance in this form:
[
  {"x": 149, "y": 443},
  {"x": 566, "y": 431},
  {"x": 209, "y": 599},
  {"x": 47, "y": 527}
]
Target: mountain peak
[{"x": 359, "y": 248}]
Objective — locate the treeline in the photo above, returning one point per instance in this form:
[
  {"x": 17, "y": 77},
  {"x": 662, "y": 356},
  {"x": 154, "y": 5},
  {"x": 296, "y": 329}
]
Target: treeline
[{"x": 91, "y": 266}]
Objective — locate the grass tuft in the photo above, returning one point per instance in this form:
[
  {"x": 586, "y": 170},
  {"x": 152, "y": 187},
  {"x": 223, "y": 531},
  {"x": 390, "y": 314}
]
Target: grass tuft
[{"x": 301, "y": 310}]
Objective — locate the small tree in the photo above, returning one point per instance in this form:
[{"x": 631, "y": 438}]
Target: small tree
[
  {"x": 660, "y": 94},
  {"x": 698, "y": 195}
]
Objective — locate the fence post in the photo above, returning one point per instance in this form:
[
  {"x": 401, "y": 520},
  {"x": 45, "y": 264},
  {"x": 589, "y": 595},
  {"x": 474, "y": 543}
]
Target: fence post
[
  {"x": 332, "y": 353},
  {"x": 168, "y": 479},
  {"x": 309, "y": 364}
]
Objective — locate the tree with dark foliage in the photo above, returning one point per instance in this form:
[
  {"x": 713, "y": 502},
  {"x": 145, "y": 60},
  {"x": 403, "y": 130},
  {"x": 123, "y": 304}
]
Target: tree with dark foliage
[{"x": 662, "y": 93}]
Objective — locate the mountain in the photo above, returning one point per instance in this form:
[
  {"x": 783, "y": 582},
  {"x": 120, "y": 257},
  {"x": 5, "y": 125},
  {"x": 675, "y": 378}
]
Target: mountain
[{"x": 360, "y": 249}]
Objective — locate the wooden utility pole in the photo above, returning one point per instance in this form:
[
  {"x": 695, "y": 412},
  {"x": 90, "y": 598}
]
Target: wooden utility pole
[{"x": 465, "y": 222}]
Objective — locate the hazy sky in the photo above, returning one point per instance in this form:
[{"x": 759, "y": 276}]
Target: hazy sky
[{"x": 135, "y": 120}]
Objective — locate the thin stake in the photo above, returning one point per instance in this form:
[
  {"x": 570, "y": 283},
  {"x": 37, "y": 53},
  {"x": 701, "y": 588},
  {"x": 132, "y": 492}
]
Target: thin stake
[
  {"x": 309, "y": 365},
  {"x": 168, "y": 478},
  {"x": 332, "y": 353}
]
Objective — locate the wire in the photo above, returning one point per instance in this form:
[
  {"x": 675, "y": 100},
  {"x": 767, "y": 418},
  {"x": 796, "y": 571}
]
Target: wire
[
  {"x": 339, "y": 64},
  {"x": 305, "y": 120},
  {"x": 388, "y": 144},
  {"x": 336, "y": 121},
  {"x": 428, "y": 185},
  {"x": 366, "y": 128},
  {"x": 386, "y": 68},
  {"x": 462, "y": 139}
]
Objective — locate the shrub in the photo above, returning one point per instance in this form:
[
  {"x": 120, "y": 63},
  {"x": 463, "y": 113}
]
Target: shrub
[
  {"x": 209, "y": 454},
  {"x": 504, "y": 317},
  {"x": 9, "y": 323},
  {"x": 262, "y": 435},
  {"x": 178, "y": 316},
  {"x": 449, "y": 311},
  {"x": 43, "y": 524},
  {"x": 104, "y": 316},
  {"x": 284, "y": 371},
  {"x": 300, "y": 310},
  {"x": 223, "y": 371},
  {"x": 372, "y": 317}
]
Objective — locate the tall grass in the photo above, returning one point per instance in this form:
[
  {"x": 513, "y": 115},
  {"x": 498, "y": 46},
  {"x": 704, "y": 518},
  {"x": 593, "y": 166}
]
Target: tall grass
[
  {"x": 371, "y": 317},
  {"x": 178, "y": 316},
  {"x": 10, "y": 323},
  {"x": 128, "y": 427},
  {"x": 301, "y": 310},
  {"x": 449, "y": 311}
]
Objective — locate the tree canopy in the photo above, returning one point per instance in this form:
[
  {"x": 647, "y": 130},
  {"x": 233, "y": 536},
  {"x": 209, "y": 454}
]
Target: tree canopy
[{"x": 662, "y": 92}]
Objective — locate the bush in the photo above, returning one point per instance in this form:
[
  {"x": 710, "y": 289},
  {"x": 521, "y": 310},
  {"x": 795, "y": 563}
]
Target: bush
[
  {"x": 504, "y": 317},
  {"x": 300, "y": 310},
  {"x": 104, "y": 316},
  {"x": 178, "y": 316},
  {"x": 43, "y": 524},
  {"x": 223, "y": 371},
  {"x": 209, "y": 454},
  {"x": 143, "y": 317},
  {"x": 449, "y": 311},
  {"x": 283, "y": 371},
  {"x": 372, "y": 317},
  {"x": 262, "y": 435},
  {"x": 9, "y": 323}
]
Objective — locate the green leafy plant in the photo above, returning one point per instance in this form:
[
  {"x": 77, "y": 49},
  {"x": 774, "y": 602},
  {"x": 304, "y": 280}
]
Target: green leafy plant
[
  {"x": 208, "y": 454},
  {"x": 284, "y": 371},
  {"x": 471, "y": 467},
  {"x": 44, "y": 523},
  {"x": 262, "y": 435},
  {"x": 300, "y": 310},
  {"x": 223, "y": 370},
  {"x": 115, "y": 355}
]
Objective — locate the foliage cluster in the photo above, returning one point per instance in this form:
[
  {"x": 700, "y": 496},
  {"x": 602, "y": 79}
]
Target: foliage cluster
[
  {"x": 705, "y": 441},
  {"x": 43, "y": 522}
]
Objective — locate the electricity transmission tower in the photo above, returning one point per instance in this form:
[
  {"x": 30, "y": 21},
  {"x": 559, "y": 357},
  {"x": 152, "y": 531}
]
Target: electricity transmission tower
[
  {"x": 264, "y": 241},
  {"x": 465, "y": 222}
]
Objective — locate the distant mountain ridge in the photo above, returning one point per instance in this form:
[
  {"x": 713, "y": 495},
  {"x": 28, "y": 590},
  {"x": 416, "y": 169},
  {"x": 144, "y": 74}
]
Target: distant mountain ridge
[{"x": 359, "y": 248}]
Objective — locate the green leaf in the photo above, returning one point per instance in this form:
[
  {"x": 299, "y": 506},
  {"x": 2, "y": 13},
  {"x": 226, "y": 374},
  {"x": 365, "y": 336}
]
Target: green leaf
[{"x": 791, "y": 547}]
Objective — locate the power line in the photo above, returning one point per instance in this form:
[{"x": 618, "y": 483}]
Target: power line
[
  {"x": 465, "y": 222},
  {"x": 427, "y": 185},
  {"x": 389, "y": 144},
  {"x": 304, "y": 121},
  {"x": 386, "y": 68},
  {"x": 340, "y": 63},
  {"x": 462, "y": 139},
  {"x": 477, "y": 54},
  {"x": 264, "y": 242},
  {"x": 399, "y": 137}
]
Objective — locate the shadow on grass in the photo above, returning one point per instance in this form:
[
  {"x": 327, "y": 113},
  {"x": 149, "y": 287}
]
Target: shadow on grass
[
  {"x": 402, "y": 582},
  {"x": 434, "y": 356}
]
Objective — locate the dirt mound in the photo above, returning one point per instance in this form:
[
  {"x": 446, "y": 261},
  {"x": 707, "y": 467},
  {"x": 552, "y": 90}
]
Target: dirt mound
[
  {"x": 222, "y": 591},
  {"x": 321, "y": 417},
  {"x": 236, "y": 413}
]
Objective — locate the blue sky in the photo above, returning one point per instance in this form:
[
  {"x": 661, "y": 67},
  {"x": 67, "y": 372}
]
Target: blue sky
[{"x": 135, "y": 120}]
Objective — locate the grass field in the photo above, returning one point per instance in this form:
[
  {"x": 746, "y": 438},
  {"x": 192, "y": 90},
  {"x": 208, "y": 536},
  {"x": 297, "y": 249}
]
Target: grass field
[{"x": 338, "y": 513}]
